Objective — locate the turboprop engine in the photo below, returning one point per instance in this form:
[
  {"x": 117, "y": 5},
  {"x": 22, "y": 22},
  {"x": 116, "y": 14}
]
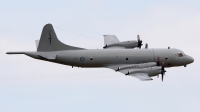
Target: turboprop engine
[
  {"x": 126, "y": 44},
  {"x": 150, "y": 69},
  {"x": 136, "y": 66}
]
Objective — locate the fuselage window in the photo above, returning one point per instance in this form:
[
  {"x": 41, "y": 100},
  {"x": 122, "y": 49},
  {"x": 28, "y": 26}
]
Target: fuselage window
[
  {"x": 126, "y": 58},
  {"x": 91, "y": 58}
]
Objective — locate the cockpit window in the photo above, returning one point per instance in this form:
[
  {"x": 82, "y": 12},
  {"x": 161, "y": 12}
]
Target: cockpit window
[{"x": 180, "y": 54}]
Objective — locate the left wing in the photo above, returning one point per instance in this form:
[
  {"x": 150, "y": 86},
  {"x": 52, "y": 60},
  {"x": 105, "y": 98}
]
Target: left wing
[{"x": 140, "y": 71}]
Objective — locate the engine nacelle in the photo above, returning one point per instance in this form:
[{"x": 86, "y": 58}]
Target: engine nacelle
[
  {"x": 151, "y": 71},
  {"x": 137, "y": 66}
]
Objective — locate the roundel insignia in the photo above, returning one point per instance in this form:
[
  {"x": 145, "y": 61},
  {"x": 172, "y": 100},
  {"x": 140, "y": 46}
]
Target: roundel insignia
[{"x": 82, "y": 59}]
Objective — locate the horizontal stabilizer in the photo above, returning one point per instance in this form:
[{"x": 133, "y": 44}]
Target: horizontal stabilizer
[
  {"x": 15, "y": 53},
  {"x": 48, "y": 56}
]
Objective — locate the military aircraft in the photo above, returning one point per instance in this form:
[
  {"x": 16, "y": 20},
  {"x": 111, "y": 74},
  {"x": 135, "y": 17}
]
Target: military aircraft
[{"x": 125, "y": 57}]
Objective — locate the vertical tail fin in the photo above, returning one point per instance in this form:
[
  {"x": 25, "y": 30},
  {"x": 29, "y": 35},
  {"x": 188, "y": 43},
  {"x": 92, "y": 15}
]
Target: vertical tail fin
[{"x": 49, "y": 41}]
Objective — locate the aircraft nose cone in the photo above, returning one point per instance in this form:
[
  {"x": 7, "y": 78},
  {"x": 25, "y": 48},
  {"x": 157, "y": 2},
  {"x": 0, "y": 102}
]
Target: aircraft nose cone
[{"x": 190, "y": 59}]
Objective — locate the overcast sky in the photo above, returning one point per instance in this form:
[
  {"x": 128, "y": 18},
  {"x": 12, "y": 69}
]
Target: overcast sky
[{"x": 29, "y": 85}]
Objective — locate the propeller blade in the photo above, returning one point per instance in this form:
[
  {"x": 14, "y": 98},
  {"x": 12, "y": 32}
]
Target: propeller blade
[
  {"x": 163, "y": 70},
  {"x": 139, "y": 42},
  {"x": 158, "y": 61}
]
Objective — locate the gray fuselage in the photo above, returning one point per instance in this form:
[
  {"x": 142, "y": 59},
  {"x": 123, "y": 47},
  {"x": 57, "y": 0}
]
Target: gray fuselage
[{"x": 105, "y": 57}]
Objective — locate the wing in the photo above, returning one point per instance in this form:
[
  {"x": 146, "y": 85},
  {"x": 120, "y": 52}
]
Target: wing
[
  {"x": 139, "y": 68},
  {"x": 110, "y": 39}
]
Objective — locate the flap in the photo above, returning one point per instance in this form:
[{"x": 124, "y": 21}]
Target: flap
[{"x": 141, "y": 76}]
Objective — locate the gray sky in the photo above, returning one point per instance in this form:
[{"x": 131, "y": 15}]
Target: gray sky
[{"x": 31, "y": 85}]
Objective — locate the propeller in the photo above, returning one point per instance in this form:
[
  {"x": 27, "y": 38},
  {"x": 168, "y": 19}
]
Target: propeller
[
  {"x": 163, "y": 70},
  {"x": 139, "y": 42}
]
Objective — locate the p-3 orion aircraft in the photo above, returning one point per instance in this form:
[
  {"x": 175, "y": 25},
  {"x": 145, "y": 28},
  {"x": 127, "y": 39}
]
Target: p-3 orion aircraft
[{"x": 119, "y": 56}]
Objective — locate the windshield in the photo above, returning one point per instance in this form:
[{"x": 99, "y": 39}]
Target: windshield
[{"x": 180, "y": 54}]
